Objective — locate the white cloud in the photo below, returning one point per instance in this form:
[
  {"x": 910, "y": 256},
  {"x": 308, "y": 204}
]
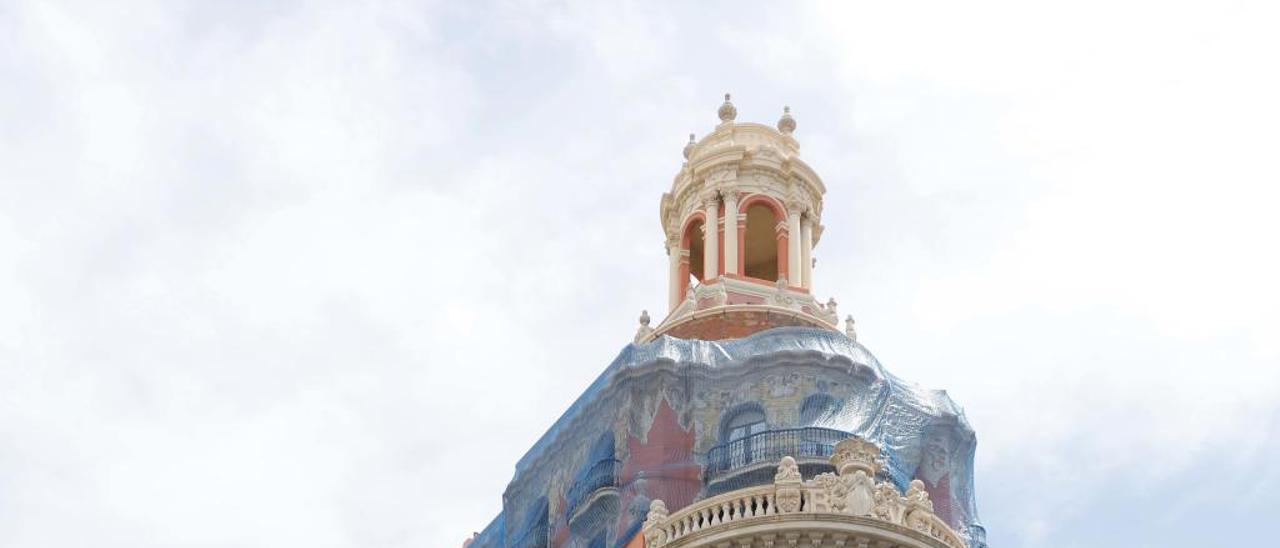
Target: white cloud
[{"x": 267, "y": 271}]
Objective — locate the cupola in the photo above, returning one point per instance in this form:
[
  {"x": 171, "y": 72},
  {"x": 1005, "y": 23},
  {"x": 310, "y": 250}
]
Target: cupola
[{"x": 741, "y": 221}]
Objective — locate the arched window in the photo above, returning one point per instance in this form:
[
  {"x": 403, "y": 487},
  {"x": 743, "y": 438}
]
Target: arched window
[
  {"x": 761, "y": 248},
  {"x": 692, "y": 241},
  {"x": 742, "y": 423},
  {"x": 817, "y": 409},
  {"x": 602, "y": 449}
]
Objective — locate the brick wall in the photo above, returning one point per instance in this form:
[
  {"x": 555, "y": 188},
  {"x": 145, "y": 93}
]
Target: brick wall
[{"x": 736, "y": 325}]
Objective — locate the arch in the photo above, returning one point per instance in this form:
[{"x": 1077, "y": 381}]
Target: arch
[
  {"x": 692, "y": 238},
  {"x": 602, "y": 449},
  {"x": 817, "y": 409},
  {"x": 743, "y": 421},
  {"x": 762, "y": 250}
]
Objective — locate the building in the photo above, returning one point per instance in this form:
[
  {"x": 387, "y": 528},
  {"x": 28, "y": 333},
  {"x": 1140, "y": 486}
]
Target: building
[{"x": 746, "y": 417}]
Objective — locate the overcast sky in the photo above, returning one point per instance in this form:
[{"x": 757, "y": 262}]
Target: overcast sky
[{"x": 307, "y": 274}]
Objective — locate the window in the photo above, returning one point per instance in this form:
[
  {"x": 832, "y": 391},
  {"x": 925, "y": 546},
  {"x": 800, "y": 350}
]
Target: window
[
  {"x": 760, "y": 246},
  {"x": 736, "y": 432},
  {"x": 817, "y": 409},
  {"x": 743, "y": 423},
  {"x": 693, "y": 241}
]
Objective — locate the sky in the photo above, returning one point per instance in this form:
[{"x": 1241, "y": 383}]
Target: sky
[{"x": 317, "y": 274}]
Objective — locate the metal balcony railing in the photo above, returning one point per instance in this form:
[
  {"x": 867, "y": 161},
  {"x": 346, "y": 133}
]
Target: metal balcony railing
[
  {"x": 601, "y": 474},
  {"x": 765, "y": 448}
]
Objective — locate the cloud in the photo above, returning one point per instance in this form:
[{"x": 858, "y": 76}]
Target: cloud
[{"x": 319, "y": 274}]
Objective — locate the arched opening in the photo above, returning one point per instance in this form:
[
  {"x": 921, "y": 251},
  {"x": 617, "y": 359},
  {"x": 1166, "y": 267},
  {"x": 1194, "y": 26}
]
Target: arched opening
[
  {"x": 742, "y": 423},
  {"x": 691, "y": 245},
  {"x": 602, "y": 449},
  {"x": 817, "y": 410},
  {"x": 761, "y": 248},
  {"x": 736, "y": 431}
]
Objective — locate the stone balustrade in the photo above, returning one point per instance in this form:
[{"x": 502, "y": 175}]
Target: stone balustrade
[{"x": 851, "y": 495}]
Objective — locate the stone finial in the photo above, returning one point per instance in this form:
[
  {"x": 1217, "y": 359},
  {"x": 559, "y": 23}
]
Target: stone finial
[
  {"x": 854, "y": 454},
  {"x": 788, "y": 472},
  {"x": 655, "y": 535},
  {"x": 917, "y": 495},
  {"x": 688, "y": 147},
  {"x": 919, "y": 509},
  {"x": 657, "y": 512},
  {"x": 848, "y": 328},
  {"x": 786, "y": 124},
  {"x": 727, "y": 112},
  {"x": 644, "y": 331},
  {"x": 831, "y": 309}
]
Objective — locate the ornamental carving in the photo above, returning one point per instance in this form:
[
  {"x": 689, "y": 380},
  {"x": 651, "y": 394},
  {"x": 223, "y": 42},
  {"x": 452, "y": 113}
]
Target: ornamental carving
[
  {"x": 655, "y": 536},
  {"x": 856, "y": 454},
  {"x": 851, "y": 492},
  {"x": 788, "y": 482}
]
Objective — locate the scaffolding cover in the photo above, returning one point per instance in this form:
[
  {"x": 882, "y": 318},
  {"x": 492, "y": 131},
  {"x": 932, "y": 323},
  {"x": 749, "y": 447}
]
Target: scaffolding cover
[{"x": 651, "y": 427}]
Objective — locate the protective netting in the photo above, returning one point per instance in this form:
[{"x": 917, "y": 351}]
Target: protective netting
[{"x": 680, "y": 420}]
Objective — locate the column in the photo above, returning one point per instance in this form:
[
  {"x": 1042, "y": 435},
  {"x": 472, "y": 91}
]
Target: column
[
  {"x": 793, "y": 245},
  {"x": 731, "y": 232},
  {"x": 711, "y": 257},
  {"x": 674, "y": 289},
  {"x": 806, "y": 252}
]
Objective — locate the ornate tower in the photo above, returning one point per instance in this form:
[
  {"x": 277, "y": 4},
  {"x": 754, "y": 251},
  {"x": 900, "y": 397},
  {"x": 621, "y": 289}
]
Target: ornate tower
[
  {"x": 745, "y": 418},
  {"x": 741, "y": 221}
]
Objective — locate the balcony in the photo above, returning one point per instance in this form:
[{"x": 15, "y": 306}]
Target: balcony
[
  {"x": 750, "y": 461},
  {"x": 841, "y": 509},
  {"x": 594, "y": 495}
]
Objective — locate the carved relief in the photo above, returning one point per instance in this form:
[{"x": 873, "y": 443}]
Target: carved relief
[
  {"x": 853, "y": 492},
  {"x": 654, "y": 535},
  {"x": 919, "y": 510},
  {"x": 788, "y": 481}
]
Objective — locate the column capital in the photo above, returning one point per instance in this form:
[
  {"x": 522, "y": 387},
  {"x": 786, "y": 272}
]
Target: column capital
[
  {"x": 796, "y": 207},
  {"x": 731, "y": 194},
  {"x": 710, "y": 198}
]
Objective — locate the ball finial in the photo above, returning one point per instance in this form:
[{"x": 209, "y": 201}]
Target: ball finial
[
  {"x": 688, "y": 148},
  {"x": 786, "y": 124},
  {"x": 727, "y": 111}
]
